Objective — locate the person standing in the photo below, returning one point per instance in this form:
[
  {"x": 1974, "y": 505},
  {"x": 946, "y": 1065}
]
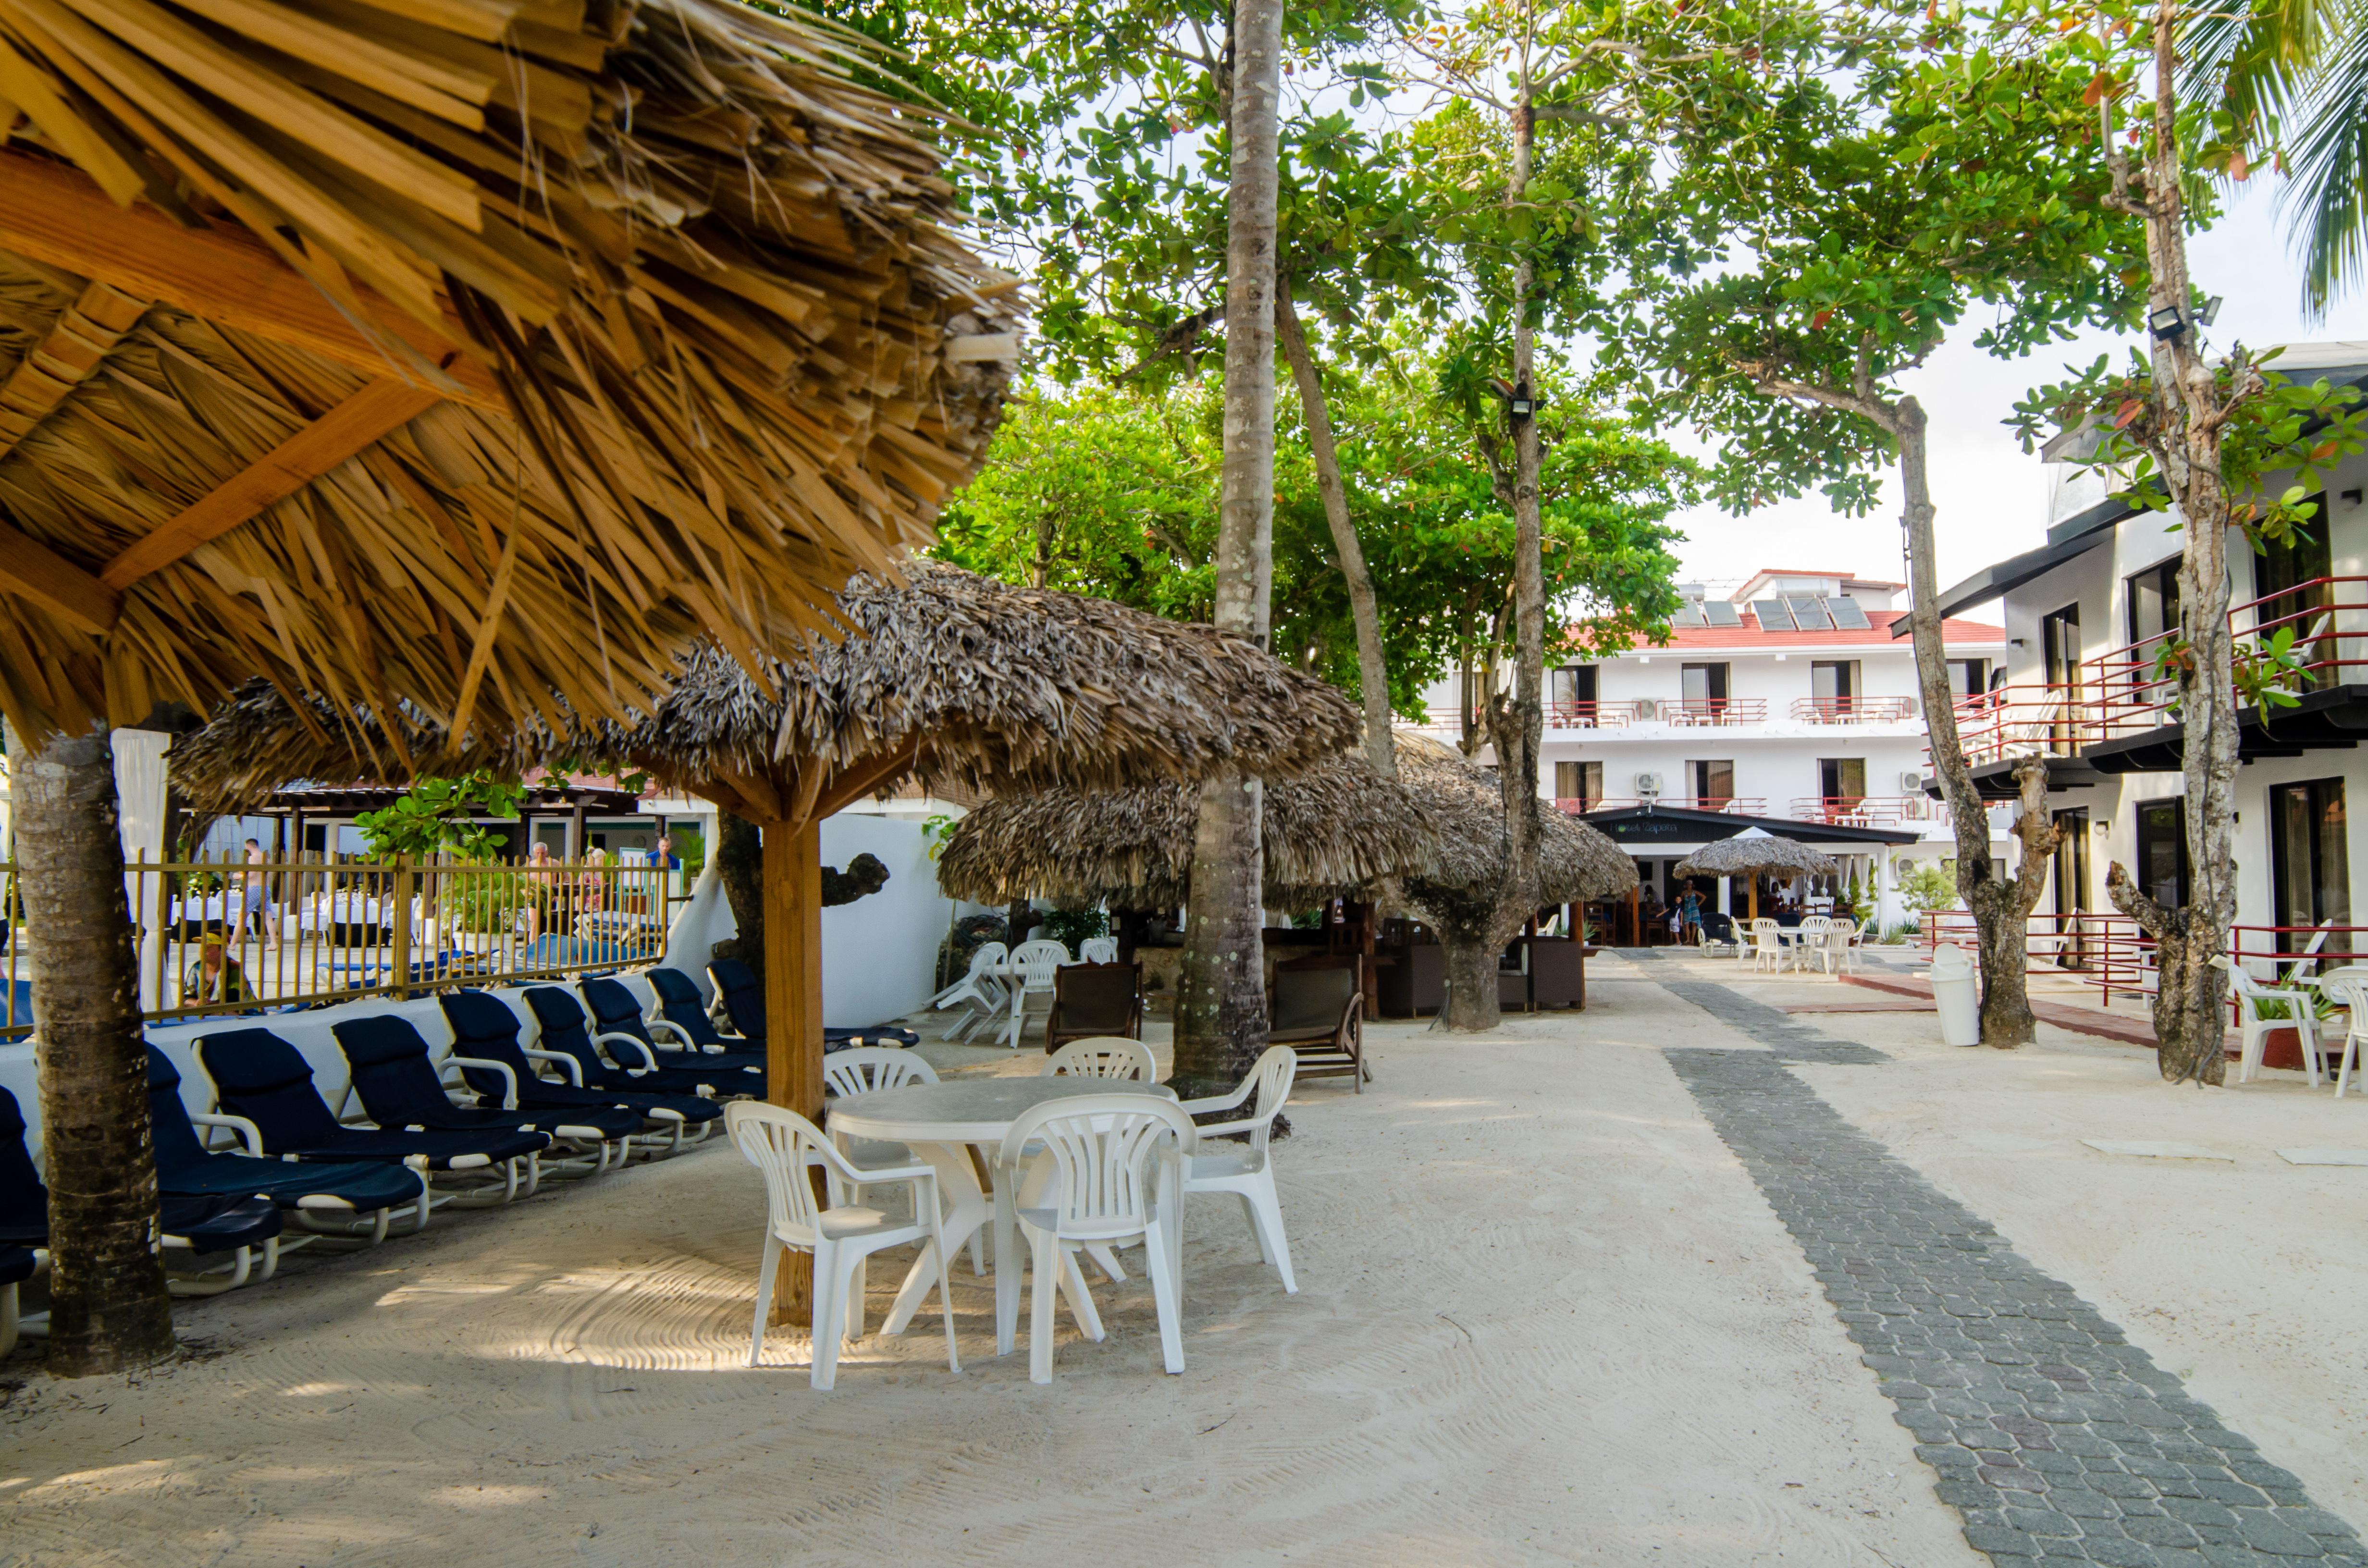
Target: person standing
[{"x": 255, "y": 903}]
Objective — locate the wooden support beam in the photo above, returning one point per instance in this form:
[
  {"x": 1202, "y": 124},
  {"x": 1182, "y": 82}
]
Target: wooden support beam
[
  {"x": 850, "y": 785},
  {"x": 381, "y": 406},
  {"x": 63, "y": 359},
  {"x": 30, "y": 570},
  {"x": 58, "y": 217},
  {"x": 793, "y": 896}
]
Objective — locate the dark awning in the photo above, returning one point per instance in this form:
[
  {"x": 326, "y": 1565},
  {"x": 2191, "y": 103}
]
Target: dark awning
[{"x": 1641, "y": 827}]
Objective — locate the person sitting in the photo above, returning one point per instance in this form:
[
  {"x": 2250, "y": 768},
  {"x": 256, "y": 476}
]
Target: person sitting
[{"x": 216, "y": 976}]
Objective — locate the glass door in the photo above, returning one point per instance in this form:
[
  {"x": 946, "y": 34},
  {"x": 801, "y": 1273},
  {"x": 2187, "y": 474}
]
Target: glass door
[
  {"x": 2292, "y": 580},
  {"x": 2311, "y": 863},
  {"x": 2071, "y": 887},
  {"x": 2059, "y": 653}
]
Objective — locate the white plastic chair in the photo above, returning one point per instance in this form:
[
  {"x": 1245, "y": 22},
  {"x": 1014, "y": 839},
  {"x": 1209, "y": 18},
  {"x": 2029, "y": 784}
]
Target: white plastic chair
[
  {"x": 1844, "y": 939},
  {"x": 2251, "y": 994},
  {"x": 1809, "y": 942},
  {"x": 863, "y": 1069},
  {"x": 1115, "y": 1179},
  {"x": 2348, "y": 988},
  {"x": 1098, "y": 949},
  {"x": 1102, "y": 1056},
  {"x": 1767, "y": 945},
  {"x": 2306, "y": 964},
  {"x": 1247, "y": 1170},
  {"x": 782, "y": 1145},
  {"x": 980, "y": 990},
  {"x": 1033, "y": 964}
]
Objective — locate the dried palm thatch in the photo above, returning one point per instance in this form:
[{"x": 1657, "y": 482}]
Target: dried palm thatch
[
  {"x": 472, "y": 354},
  {"x": 1576, "y": 862},
  {"x": 959, "y": 679},
  {"x": 1330, "y": 830},
  {"x": 1757, "y": 855}
]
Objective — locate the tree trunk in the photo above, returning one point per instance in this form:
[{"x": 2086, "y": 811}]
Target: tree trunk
[
  {"x": 1472, "y": 1004},
  {"x": 1372, "y": 669},
  {"x": 1221, "y": 1015},
  {"x": 108, "y": 1310},
  {"x": 740, "y": 866},
  {"x": 2001, "y": 911}
]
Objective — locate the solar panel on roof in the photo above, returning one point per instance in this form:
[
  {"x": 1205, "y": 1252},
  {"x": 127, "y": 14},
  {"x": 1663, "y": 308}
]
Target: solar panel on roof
[
  {"x": 1687, "y": 614},
  {"x": 1809, "y": 614},
  {"x": 1773, "y": 616},
  {"x": 1846, "y": 613},
  {"x": 1722, "y": 613}
]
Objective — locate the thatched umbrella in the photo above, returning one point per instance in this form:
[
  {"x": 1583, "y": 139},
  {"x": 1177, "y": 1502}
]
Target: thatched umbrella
[
  {"x": 1576, "y": 862},
  {"x": 1330, "y": 832},
  {"x": 476, "y": 356},
  {"x": 482, "y": 352},
  {"x": 1755, "y": 853}
]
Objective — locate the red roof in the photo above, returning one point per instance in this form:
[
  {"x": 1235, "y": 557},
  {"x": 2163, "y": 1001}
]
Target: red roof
[{"x": 1878, "y": 634}]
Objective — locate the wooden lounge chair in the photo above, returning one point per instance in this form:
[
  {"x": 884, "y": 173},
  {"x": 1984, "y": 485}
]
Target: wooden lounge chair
[
  {"x": 1091, "y": 999},
  {"x": 1318, "y": 1010}
]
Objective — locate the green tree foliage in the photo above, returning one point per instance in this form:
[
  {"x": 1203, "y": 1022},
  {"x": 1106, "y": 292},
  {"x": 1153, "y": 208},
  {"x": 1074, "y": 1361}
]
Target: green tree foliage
[{"x": 433, "y": 817}]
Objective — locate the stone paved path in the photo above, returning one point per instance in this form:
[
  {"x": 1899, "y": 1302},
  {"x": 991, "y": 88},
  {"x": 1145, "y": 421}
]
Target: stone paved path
[{"x": 2052, "y": 1435}]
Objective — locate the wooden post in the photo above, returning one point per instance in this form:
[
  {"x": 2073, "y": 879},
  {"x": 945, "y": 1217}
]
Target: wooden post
[
  {"x": 401, "y": 898},
  {"x": 793, "y": 897}
]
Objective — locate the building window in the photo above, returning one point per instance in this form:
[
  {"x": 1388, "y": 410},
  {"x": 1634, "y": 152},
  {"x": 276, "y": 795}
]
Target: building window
[
  {"x": 1705, "y": 690},
  {"x": 1968, "y": 677},
  {"x": 1841, "y": 779},
  {"x": 1833, "y": 685},
  {"x": 2162, "y": 851},
  {"x": 2295, "y": 571},
  {"x": 1714, "y": 783},
  {"x": 2059, "y": 653},
  {"x": 2311, "y": 863},
  {"x": 2153, "y": 604},
  {"x": 2071, "y": 887},
  {"x": 1580, "y": 783},
  {"x": 1573, "y": 694}
]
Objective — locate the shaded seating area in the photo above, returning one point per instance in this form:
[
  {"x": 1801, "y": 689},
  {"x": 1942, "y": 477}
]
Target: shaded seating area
[{"x": 398, "y": 1086}]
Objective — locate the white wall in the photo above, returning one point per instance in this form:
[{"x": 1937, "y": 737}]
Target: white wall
[{"x": 880, "y": 954}]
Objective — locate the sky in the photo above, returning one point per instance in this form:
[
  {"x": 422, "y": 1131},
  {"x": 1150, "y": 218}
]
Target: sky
[{"x": 1992, "y": 499}]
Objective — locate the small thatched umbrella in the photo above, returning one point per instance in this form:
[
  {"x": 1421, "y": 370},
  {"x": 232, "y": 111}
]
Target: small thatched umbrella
[
  {"x": 1329, "y": 831},
  {"x": 1755, "y": 853}
]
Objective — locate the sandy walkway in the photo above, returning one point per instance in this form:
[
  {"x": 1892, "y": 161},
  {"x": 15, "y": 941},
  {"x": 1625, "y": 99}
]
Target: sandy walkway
[{"x": 1545, "y": 1317}]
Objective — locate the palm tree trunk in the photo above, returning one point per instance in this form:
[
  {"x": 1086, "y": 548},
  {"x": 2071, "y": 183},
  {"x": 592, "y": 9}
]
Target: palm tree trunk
[
  {"x": 108, "y": 1310},
  {"x": 1220, "y": 1014},
  {"x": 1372, "y": 669}
]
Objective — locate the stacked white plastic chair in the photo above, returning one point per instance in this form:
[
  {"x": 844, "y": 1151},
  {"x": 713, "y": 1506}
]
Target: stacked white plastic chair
[
  {"x": 1116, "y": 1179},
  {"x": 1098, "y": 949},
  {"x": 783, "y": 1145},
  {"x": 981, "y": 990},
  {"x": 1103, "y": 1056},
  {"x": 1246, "y": 1170},
  {"x": 1033, "y": 964}
]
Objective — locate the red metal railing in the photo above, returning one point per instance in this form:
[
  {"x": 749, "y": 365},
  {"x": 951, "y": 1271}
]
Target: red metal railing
[
  {"x": 2127, "y": 694},
  {"x": 1868, "y": 810},
  {"x": 1712, "y": 711},
  {"x": 1854, "y": 710},
  {"x": 2108, "y": 952},
  {"x": 1590, "y": 715},
  {"x": 1736, "y": 805},
  {"x": 2015, "y": 721}
]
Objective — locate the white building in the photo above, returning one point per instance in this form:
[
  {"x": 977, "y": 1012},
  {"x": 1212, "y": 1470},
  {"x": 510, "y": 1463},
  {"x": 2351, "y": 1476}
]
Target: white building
[
  {"x": 2085, "y": 614},
  {"x": 1788, "y": 701}
]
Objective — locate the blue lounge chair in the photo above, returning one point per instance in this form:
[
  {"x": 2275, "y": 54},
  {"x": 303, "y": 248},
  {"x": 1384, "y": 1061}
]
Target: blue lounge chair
[
  {"x": 16, "y": 1268},
  {"x": 743, "y": 998},
  {"x": 616, "y": 1010},
  {"x": 680, "y": 1002},
  {"x": 485, "y": 1030},
  {"x": 567, "y": 1029},
  {"x": 246, "y": 1227},
  {"x": 400, "y": 1087},
  {"x": 356, "y": 1199},
  {"x": 261, "y": 1078}
]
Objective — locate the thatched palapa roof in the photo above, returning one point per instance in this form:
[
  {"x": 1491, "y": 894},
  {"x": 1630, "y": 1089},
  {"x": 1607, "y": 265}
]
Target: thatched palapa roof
[
  {"x": 1330, "y": 830},
  {"x": 1756, "y": 853},
  {"x": 476, "y": 353},
  {"x": 954, "y": 676},
  {"x": 1576, "y": 862}
]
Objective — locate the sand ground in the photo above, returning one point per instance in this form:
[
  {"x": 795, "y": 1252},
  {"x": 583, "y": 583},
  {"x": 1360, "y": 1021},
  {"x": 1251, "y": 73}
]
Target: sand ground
[{"x": 1543, "y": 1317}]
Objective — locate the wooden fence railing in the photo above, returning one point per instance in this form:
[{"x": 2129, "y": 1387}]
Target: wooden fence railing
[{"x": 225, "y": 937}]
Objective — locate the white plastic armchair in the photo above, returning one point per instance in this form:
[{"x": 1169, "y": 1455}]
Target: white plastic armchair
[
  {"x": 2255, "y": 1029},
  {"x": 782, "y": 1145},
  {"x": 1767, "y": 945},
  {"x": 1102, "y": 1056},
  {"x": 1811, "y": 943},
  {"x": 1116, "y": 1169},
  {"x": 1246, "y": 1170},
  {"x": 1844, "y": 939},
  {"x": 1098, "y": 949},
  {"x": 979, "y": 990},
  {"x": 2348, "y": 988},
  {"x": 1033, "y": 965}
]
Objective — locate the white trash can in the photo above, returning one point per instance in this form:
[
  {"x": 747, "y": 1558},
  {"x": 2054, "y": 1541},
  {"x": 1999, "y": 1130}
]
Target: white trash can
[{"x": 1954, "y": 992}]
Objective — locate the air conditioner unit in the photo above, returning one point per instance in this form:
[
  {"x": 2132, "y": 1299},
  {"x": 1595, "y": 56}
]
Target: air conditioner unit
[
  {"x": 1911, "y": 782},
  {"x": 1646, "y": 708},
  {"x": 1648, "y": 786}
]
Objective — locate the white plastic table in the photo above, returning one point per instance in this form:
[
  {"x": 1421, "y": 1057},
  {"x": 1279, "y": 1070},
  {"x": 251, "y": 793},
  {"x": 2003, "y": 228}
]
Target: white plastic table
[{"x": 943, "y": 1123}]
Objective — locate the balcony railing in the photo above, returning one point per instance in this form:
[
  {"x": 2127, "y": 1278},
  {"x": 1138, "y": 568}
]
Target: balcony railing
[
  {"x": 2019, "y": 721},
  {"x": 1735, "y": 805},
  {"x": 1591, "y": 715},
  {"x": 2107, "y": 951},
  {"x": 1868, "y": 810},
  {"x": 1712, "y": 709},
  {"x": 1854, "y": 710}
]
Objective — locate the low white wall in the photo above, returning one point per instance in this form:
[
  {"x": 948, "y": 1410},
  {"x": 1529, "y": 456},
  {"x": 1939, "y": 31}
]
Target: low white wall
[{"x": 880, "y": 954}]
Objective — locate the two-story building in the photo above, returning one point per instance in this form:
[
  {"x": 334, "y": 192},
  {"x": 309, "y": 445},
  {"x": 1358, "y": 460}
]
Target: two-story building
[
  {"x": 1786, "y": 702},
  {"x": 2086, "y": 615}
]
